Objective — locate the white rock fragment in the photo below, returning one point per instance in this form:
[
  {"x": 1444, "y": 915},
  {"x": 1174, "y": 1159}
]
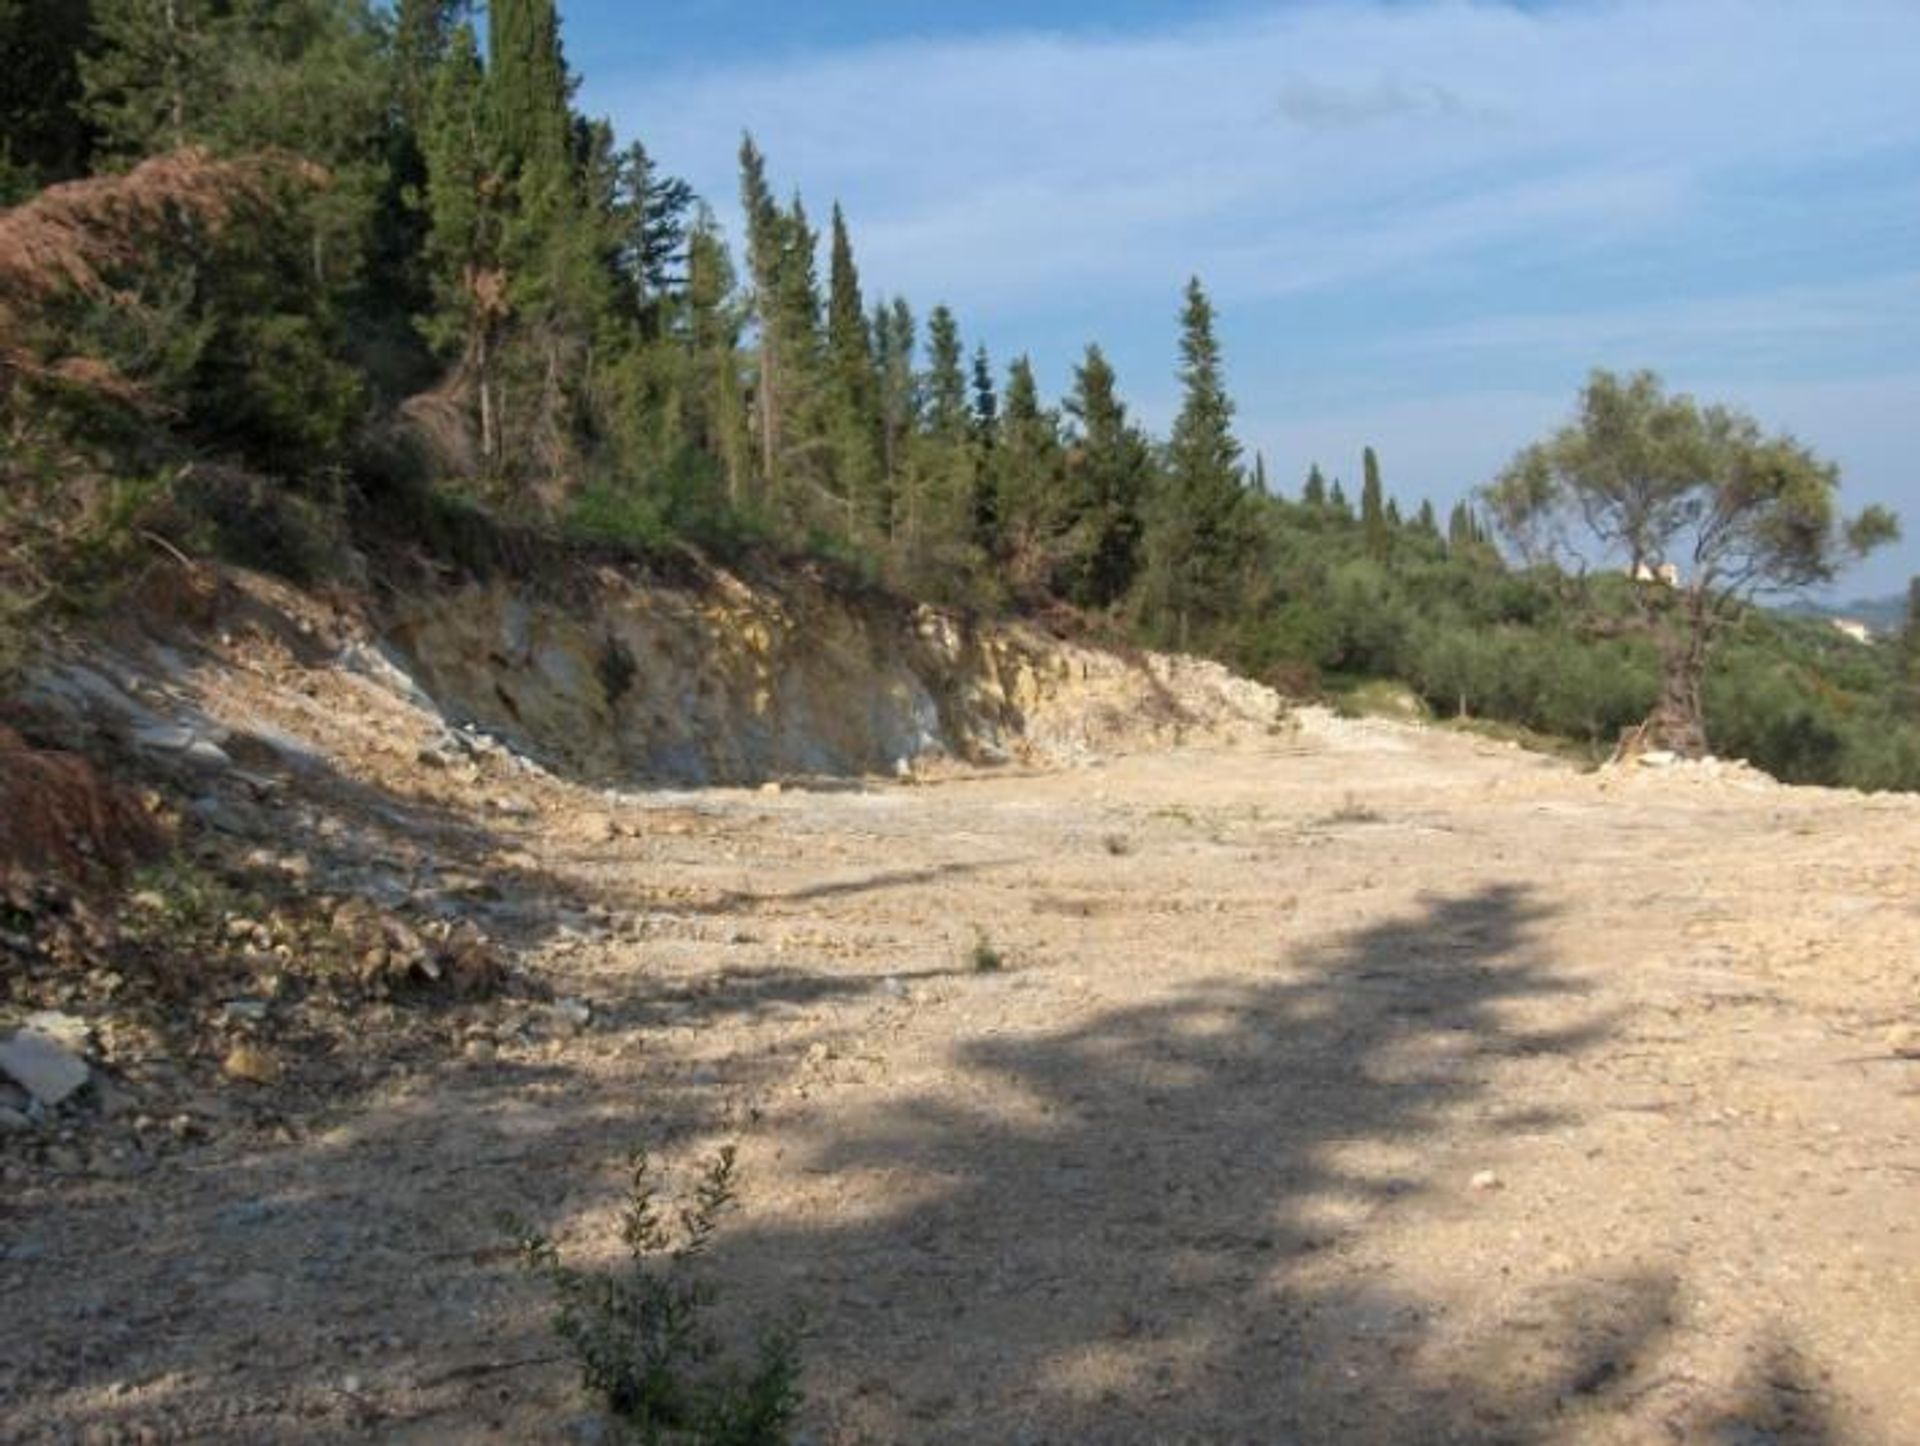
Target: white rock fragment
[{"x": 42, "y": 1067}]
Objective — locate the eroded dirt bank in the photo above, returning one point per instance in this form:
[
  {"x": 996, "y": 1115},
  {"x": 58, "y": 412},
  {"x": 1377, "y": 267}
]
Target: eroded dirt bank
[
  {"x": 1351, "y": 1083},
  {"x": 716, "y": 680}
]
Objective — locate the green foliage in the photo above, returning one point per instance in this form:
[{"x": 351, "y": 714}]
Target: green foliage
[
  {"x": 1643, "y": 479},
  {"x": 983, "y": 958},
  {"x": 640, "y": 1338},
  {"x": 1198, "y": 532},
  {"x": 477, "y": 303},
  {"x": 44, "y": 137}
]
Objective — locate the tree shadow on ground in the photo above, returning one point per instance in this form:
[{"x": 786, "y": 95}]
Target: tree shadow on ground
[
  {"x": 1173, "y": 1222},
  {"x": 1181, "y": 1228}
]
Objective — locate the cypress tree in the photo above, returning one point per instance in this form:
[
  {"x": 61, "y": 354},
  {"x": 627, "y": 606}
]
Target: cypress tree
[
  {"x": 527, "y": 88},
  {"x": 421, "y": 32},
  {"x": 855, "y": 404},
  {"x": 985, "y": 508},
  {"x": 1337, "y": 502},
  {"x": 1425, "y": 519},
  {"x": 895, "y": 340},
  {"x": 1314, "y": 492},
  {"x": 765, "y": 246},
  {"x": 795, "y": 318},
  {"x": 1460, "y": 528},
  {"x": 718, "y": 417},
  {"x": 1373, "y": 512},
  {"x": 464, "y": 228}
]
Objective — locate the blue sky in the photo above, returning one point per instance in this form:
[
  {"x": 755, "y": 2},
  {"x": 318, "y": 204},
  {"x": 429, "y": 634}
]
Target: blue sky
[{"x": 1423, "y": 221}]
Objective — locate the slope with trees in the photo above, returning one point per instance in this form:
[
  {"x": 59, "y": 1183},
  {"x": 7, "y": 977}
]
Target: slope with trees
[{"x": 345, "y": 267}]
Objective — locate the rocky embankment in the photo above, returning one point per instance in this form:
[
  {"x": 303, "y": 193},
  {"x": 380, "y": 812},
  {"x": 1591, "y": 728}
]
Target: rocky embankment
[{"x": 720, "y": 681}]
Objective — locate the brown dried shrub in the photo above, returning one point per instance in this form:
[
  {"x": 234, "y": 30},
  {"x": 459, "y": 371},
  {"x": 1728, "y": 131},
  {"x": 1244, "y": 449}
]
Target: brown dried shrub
[
  {"x": 78, "y": 237},
  {"x": 59, "y": 817}
]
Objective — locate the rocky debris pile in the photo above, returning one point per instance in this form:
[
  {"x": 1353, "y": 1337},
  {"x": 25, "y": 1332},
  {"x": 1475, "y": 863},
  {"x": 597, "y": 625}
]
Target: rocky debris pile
[
  {"x": 1669, "y": 768},
  {"x": 132, "y": 1023},
  {"x": 388, "y": 954}
]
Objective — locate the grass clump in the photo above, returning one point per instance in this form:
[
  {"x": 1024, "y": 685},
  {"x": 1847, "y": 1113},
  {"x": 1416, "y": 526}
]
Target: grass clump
[
  {"x": 1352, "y": 810},
  {"x": 639, "y": 1335},
  {"x": 984, "y": 958}
]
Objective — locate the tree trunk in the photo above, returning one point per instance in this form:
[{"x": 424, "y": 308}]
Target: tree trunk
[{"x": 1679, "y": 720}]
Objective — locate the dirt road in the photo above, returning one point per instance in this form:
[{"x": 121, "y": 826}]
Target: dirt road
[{"x": 1355, "y": 1085}]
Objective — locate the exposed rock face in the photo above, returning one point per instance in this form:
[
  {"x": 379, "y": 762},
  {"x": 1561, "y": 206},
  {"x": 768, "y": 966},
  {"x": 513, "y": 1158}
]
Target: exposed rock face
[{"x": 720, "y": 682}]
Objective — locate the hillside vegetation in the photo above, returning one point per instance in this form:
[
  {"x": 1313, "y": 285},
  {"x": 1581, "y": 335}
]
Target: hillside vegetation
[{"x": 278, "y": 278}]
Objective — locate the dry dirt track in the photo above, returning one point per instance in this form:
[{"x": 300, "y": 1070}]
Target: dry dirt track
[{"x": 1358, "y": 1085}]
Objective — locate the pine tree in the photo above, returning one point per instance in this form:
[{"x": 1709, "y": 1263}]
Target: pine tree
[
  {"x": 940, "y": 505},
  {"x": 1199, "y": 531},
  {"x": 947, "y": 416},
  {"x": 1109, "y": 479},
  {"x": 648, "y": 214},
  {"x": 1426, "y": 520},
  {"x": 1373, "y": 512},
  {"x": 1028, "y": 467},
  {"x": 153, "y": 75}
]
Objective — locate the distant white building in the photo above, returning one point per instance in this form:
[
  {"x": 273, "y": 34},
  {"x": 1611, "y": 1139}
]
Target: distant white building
[
  {"x": 1666, "y": 573},
  {"x": 1853, "y": 628}
]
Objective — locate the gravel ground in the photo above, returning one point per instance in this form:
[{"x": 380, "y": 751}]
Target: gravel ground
[{"x": 1358, "y": 1084}]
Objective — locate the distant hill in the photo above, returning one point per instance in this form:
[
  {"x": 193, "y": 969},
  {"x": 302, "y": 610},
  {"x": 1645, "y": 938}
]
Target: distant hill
[{"x": 1882, "y": 614}]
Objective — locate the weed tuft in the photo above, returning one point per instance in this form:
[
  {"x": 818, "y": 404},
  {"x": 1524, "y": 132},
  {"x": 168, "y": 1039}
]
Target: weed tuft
[
  {"x": 639, "y": 1335},
  {"x": 984, "y": 958}
]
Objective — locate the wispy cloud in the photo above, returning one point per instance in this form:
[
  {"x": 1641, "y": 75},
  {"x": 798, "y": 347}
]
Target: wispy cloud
[
  {"x": 1325, "y": 115},
  {"x": 1322, "y": 105}
]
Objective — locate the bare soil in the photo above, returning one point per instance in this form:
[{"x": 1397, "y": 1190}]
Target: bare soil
[{"x": 1358, "y": 1084}]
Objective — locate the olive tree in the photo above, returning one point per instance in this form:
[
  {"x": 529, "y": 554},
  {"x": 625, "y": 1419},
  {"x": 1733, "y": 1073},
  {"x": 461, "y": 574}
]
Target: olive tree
[{"x": 1701, "y": 508}]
